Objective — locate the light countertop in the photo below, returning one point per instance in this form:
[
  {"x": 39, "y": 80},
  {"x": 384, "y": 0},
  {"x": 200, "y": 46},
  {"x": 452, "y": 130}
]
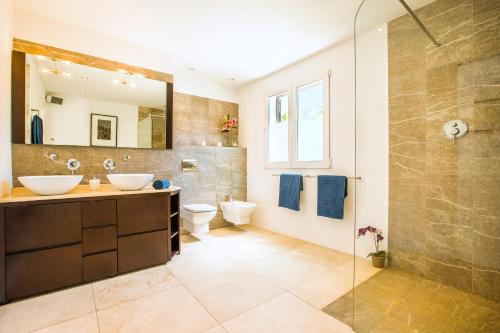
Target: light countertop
[{"x": 21, "y": 194}]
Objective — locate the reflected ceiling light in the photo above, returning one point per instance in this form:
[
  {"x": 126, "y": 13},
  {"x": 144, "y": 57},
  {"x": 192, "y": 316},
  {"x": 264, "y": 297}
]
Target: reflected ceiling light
[
  {"x": 55, "y": 72},
  {"x": 124, "y": 83}
]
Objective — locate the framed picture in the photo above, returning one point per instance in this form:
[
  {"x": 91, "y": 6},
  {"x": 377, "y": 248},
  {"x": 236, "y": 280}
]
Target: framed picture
[{"x": 103, "y": 130}]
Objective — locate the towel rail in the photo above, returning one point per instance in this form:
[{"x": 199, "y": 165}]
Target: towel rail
[{"x": 315, "y": 176}]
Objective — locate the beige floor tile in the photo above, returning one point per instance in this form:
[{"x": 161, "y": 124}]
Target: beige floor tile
[
  {"x": 216, "y": 329},
  {"x": 85, "y": 324},
  {"x": 172, "y": 310},
  {"x": 192, "y": 245},
  {"x": 285, "y": 313},
  {"x": 199, "y": 265},
  {"x": 46, "y": 310},
  {"x": 230, "y": 293},
  {"x": 364, "y": 269},
  {"x": 246, "y": 251},
  {"x": 324, "y": 289},
  {"x": 122, "y": 288},
  {"x": 321, "y": 255},
  {"x": 286, "y": 270}
]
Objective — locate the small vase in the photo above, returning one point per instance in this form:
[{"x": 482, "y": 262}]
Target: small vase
[{"x": 378, "y": 261}]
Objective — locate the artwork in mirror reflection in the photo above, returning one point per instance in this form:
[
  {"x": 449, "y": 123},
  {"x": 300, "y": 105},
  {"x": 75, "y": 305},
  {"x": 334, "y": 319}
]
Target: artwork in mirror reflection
[{"x": 77, "y": 105}]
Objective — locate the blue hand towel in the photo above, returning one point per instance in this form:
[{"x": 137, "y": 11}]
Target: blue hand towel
[
  {"x": 36, "y": 130},
  {"x": 161, "y": 184},
  {"x": 332, "y": 191},
  {"x": 290, "y": 187}
]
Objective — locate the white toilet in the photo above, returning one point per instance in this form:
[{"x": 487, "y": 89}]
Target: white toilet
[{"x": 197, "y": 217}]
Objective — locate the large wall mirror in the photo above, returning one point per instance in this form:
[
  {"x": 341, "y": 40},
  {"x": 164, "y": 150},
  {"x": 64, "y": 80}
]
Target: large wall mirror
[{"x": 58, "y": 101}]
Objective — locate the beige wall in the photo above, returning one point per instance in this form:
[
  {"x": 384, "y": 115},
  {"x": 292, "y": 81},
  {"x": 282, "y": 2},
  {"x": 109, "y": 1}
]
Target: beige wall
[
  {"x": 5, "y": 56},
  {"x": 444, "y": 208}
]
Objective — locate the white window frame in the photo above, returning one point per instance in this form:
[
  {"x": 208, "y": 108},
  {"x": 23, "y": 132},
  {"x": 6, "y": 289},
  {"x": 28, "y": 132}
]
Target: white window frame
[
  {"x": 284, "y": 164},
  {"x": 293, "y": 162}
]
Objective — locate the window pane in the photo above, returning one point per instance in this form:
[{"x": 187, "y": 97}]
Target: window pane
[
  {"x": 278, "y": 128},
  {"x": 310, "y": 122}
]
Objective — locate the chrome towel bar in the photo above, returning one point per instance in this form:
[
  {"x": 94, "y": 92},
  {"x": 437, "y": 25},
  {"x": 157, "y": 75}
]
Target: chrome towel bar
[{"x": 315, "y": 176}]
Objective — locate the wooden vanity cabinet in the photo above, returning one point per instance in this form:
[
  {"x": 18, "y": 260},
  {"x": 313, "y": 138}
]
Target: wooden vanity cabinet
[{"x": 52, "y": 244}]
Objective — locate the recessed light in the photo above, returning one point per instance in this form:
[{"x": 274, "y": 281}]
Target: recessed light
[{"x": 191, "y": 69}]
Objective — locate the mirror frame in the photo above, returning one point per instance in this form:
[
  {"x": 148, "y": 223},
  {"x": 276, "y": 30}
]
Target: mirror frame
[{"x": 22, "y": 47}]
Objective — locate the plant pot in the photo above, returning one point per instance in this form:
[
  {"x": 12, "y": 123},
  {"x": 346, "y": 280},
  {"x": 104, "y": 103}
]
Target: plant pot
[{"x": 378, "y": 261}]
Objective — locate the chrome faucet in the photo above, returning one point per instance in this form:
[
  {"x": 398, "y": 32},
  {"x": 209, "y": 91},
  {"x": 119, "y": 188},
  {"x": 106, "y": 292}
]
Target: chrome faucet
[
  {"x": 73, "y": 164},
  {"x": 109, "y": 165}
]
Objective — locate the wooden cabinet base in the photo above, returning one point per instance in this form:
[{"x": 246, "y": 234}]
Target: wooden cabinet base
[
  {"x": 35, "y": 272},
  {"x": 139, "y": 251}
]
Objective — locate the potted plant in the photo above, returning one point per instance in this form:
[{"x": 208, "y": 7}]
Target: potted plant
[{"x": 378, "y": 257}]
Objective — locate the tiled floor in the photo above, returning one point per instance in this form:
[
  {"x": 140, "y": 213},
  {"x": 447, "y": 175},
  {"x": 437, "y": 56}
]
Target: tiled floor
[
  {"x": 231, "y": 280},
  {"x": 394, "y": 301}
]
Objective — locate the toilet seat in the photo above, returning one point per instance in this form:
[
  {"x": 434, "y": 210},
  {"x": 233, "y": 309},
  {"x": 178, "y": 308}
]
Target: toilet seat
[{"x": 199, "y": 208}]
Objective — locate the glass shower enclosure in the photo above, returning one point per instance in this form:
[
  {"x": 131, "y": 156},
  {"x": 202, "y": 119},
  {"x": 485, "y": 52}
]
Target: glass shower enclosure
[{"x": 437, "y": 85}]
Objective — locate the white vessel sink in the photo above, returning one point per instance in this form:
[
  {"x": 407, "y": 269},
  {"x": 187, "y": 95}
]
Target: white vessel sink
[
  {"x": 237, "y": 212},
  {"x": 50, "y": 185},
  {"x": 130, "y": 181}
]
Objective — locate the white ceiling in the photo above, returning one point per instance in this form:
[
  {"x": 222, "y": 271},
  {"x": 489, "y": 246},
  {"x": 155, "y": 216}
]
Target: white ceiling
[{"x": 240, "y": 39}]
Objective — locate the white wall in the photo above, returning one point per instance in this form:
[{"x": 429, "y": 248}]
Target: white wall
[
  {"x": 39, "y": 29},
  {"x": 5, "y": 59},
  {"x": 68, "y": 124},
  {"x": 372, "y": 147}
]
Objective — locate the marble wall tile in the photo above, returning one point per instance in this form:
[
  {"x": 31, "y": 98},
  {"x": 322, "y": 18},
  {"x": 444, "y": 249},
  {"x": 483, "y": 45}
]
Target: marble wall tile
[
  {"x": 221, "y": 170},
  {"x": 444, "y": 210}
]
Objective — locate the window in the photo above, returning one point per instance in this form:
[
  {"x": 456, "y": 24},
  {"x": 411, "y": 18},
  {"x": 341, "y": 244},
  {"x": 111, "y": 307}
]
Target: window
[
  {"x": 298, "y": 126},
  {"x": 278, "y": 128}
]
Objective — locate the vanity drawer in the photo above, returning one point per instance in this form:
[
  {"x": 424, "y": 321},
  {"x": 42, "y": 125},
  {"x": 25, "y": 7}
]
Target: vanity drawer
[
  {"x": 39, "y": 226},
  {"x": 99, "y": 266},
  {"x": 139, "y": 251},
  {"x": 142, "y": 214},
  {"x": 38, "y": 271},
  {"x": 99, "y": 239},
  {"x": 98, "y": 212}
]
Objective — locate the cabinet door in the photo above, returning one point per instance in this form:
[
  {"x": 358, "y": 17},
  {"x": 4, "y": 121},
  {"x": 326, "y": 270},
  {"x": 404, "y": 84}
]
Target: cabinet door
[
  {"x": 39, "y": 226},
  {"x": 99, "y": 266},
  {"x": 136, "y": 215},
  {"x": 98, "y": 212},
  {"x": 144, "y": 250},
  {"x": 99, "y": 239},
  {"x": 38, "y": 271}
]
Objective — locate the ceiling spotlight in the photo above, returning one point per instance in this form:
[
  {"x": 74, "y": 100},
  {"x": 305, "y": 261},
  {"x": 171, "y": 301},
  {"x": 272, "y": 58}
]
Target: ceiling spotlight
[{"x": 55, "y": 72}]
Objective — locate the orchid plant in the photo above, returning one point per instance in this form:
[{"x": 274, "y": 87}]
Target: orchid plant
[
  {"x": 377, "y": 238},
  {"x": 229, "y": 123}
]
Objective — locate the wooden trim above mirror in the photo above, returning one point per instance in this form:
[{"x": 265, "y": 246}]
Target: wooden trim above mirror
[{"x": 88, "y": 60}]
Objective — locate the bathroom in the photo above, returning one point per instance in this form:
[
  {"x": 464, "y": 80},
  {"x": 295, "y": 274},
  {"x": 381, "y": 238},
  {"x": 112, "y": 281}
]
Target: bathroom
[{"x": 201, "y": 207}]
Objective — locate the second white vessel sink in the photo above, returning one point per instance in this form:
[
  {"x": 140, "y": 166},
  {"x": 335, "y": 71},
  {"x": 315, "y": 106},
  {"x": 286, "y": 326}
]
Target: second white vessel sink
[
  {"x": 130, "y": 181},
  {"x": 50, "y": 185}
]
